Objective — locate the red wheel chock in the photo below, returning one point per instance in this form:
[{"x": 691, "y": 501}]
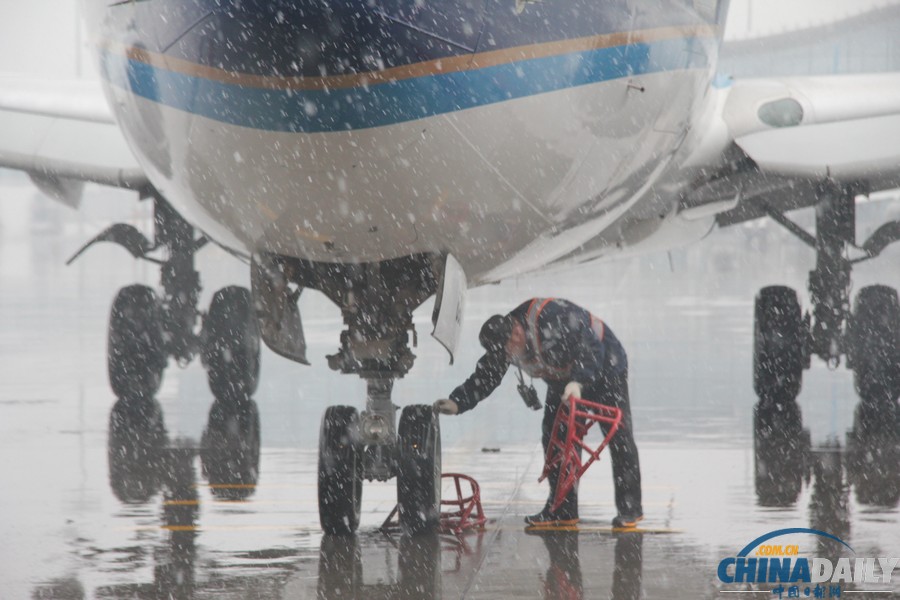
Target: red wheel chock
[
  {"x": 467, "y": 513},
  {"x": 573, "y": 419}
]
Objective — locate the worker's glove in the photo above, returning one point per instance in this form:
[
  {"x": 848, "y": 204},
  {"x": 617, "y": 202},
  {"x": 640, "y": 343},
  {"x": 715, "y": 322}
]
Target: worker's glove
[
  {"x": 573, "y": 388},
  {"x": 446, "y": 407}
]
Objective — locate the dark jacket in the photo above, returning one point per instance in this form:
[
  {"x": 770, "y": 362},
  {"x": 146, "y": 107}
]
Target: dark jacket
[{"x": 567, "y": 340}]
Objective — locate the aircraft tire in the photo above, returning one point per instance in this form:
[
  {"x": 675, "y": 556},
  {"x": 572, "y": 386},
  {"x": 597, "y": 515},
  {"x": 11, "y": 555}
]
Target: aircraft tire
[
  {"x": 874, "y": 344},
  {"x": 419, "y": 469},
  {"x": 779, "y": 339},
  {"x": 230, "y": 448},
  {"x": 231, "y": 344},
  {"x": 340, "y": 472},
  {"x": 136, "y": 356}
]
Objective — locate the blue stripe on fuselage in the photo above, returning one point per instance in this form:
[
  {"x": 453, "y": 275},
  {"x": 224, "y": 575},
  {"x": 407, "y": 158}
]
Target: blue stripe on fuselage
[{"x": 398, "y": 101}]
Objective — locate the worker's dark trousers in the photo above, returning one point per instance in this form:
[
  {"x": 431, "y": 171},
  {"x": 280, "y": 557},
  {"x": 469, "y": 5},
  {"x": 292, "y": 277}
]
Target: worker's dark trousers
[{"x": 611, "y": 390}]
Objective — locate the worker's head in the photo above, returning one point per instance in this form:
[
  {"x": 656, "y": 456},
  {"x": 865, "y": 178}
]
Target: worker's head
[
  {"x": 495, "y": 332},
  {"x": 503, "y": 333}
]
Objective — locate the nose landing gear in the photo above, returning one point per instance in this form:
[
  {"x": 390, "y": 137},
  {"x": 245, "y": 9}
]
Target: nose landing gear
[
  {"x": 376, "y": 301},
  {"x": 348, "y": 454}
]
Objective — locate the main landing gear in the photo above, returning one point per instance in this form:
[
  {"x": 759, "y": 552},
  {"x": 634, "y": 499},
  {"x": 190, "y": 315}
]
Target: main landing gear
[
  {"x": 147, "y": 328},
  {"x": 868, "y": 337},
  {"x": 376, "y": 301}
]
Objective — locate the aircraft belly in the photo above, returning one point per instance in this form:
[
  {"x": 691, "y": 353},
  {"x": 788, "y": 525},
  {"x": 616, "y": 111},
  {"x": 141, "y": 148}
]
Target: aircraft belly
[
  {"x": 475, "y": 183},
  {"x": 480, "y": 183},
  {"x": 353, "y": 196}
]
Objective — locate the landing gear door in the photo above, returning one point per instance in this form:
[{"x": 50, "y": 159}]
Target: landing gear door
[
  {"x": 449, "y": 305},
  {"x": 275, "y": 301}
]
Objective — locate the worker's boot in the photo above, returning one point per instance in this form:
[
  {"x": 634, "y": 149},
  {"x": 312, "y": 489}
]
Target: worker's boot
[
  {"x": 627, "y": 521},
  {"x": 566, "y": 515},
  {"x": 630, "y": 511}
]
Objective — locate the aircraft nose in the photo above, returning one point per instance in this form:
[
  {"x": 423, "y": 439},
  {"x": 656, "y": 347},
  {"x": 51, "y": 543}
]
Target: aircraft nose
[
  {"x": 298, "y": 39},
  {"x": 315, "y": 65},
  {"x": 306, "y": 38}
]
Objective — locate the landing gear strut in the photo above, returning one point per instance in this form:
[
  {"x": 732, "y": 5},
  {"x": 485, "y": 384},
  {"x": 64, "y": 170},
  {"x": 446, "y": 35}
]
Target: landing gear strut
[
  {"x": 376, "y": 301},
  {"x": 784, "y": 341}
]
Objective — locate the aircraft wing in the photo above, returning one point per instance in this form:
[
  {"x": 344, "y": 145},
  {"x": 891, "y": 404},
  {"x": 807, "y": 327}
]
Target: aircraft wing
[
  {"x": 63, "y": 134},
  {"x": 774, "y": 140}
]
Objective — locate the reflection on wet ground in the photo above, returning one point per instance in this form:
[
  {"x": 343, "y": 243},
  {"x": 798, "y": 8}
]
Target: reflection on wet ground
[
  {"x": 184, "y": 497},
  {"x": 172, "y": 552}
]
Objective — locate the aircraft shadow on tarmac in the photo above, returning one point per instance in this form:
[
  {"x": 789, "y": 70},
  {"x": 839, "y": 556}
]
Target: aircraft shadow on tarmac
[{"x": 870, "y": 462}]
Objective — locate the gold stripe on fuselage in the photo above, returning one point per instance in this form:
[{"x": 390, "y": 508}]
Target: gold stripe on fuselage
[{"x": 453, "y": 64}]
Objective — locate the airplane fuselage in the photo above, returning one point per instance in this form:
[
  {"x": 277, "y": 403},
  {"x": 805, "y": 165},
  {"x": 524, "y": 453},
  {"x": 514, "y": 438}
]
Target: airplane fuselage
[{"x": 352, "y": 132}]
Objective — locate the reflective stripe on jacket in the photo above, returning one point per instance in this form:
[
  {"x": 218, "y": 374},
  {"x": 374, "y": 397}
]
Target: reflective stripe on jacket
[{"x": 533, "y": 363}]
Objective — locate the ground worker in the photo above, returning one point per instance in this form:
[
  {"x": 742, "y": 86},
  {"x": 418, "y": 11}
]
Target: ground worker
[{"x": 576, "y": 354}]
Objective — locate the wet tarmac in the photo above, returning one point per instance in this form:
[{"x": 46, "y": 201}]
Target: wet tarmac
[{"x": 686, "y": 320}]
